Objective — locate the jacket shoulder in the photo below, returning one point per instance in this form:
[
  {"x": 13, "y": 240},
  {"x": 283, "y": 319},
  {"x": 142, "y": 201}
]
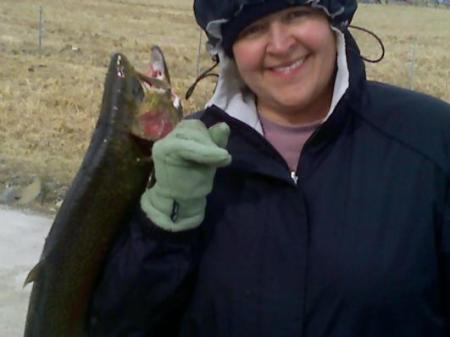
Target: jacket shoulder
[
  {"x": 386, "y": 97},
  {"x": 417, "y": 120}
]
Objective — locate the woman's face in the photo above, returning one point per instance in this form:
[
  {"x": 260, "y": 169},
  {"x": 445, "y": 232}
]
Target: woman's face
[{"x": 288, "y": 60}]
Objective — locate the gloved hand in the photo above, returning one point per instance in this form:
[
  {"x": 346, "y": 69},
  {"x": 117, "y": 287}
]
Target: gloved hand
[{"x": 185, "y": 164}]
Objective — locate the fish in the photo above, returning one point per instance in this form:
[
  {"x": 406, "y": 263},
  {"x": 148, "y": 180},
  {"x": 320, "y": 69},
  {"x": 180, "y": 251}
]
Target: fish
[{"x": 137, "y": 109}]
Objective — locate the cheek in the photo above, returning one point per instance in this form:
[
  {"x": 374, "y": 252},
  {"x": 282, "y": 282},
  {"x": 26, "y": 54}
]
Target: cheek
[
  {"x": 323, "y": 43},
  {"x": 247, "y": 57},
  {"x": 330, "y": 51},
  {"x": 316, "y": 32}
]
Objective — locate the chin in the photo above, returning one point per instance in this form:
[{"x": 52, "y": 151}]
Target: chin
[{"x": 293, "y": 103}]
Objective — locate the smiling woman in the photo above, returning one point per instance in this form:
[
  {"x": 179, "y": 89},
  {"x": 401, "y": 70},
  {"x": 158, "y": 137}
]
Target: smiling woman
[{"x": 304, "y": 200}]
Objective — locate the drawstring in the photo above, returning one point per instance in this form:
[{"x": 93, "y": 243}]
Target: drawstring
[
  {"x": 203, "y": 75},
  {"x": 376, "y": 38}
]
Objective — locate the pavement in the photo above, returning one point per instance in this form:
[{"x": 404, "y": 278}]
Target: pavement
[{"x": 22, "y": 236}]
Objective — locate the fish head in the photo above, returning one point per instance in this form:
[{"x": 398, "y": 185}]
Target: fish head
[
  {"x": 158, "y": 112},
  {"x": 156, "y": 109}
]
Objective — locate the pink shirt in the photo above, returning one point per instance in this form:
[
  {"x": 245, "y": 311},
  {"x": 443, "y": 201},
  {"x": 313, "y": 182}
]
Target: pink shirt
[{"x": 288, "y": 140}]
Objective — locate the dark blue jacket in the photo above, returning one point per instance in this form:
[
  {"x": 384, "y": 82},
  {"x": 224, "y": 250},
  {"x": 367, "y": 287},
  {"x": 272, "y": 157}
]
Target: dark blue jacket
[{"x": 360, "y": 247}]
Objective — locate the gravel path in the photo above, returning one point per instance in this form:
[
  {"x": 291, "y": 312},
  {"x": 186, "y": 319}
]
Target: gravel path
[{"x": 22, "y": 236}]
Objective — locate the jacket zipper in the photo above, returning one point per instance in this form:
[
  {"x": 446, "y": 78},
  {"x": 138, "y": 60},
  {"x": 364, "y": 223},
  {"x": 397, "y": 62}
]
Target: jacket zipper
[{"x": 294, "y": 177}]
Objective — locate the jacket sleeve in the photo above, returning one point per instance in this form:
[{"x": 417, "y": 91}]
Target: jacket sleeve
[{"x": 146, "y": 282}]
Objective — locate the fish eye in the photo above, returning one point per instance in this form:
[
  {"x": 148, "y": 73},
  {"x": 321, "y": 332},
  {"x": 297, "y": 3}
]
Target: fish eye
[{"x": 137, "y": 90}]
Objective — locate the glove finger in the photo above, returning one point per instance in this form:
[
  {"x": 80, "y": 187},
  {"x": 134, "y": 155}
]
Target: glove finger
[
  {"x": 210, "y": 155},
  {"x": 192, "y": 132},
  {"x": 219, "y": 134}
]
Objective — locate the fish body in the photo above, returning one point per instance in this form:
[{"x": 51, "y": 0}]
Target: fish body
[{"x": 112, "y": 176}]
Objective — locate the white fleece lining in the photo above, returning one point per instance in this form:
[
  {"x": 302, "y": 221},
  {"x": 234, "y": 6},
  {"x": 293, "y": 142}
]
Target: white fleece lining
[
  {"x": 232, "y": 96},
  {"x": 342, "y": 76}
]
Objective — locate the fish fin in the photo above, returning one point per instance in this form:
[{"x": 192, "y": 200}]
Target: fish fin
[{"x": 33, "y": 274}]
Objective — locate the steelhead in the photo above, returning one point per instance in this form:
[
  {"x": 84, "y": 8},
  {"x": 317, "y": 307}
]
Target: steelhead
[{"x": 136, "y": 110}]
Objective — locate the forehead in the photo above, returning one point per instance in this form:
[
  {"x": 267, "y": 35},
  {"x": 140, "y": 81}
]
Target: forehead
[{"x": 279, "y": 15}]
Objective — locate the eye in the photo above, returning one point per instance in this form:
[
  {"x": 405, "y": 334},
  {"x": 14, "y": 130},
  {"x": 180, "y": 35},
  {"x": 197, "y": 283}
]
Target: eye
[
  {"x": 297, "y": 13},
  {"x": 253, "y": 30}
]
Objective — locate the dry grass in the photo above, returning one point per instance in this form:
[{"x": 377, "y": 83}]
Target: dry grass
[
  {"x": 49, "y": 101},
  {"x": 417, "y": 42}
]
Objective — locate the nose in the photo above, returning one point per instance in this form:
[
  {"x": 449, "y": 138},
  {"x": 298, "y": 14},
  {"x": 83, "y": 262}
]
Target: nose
[{"x": 280, "y": 38}]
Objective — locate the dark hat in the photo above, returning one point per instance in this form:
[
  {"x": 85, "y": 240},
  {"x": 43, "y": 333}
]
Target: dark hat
[{"x": 223, "y": 20}]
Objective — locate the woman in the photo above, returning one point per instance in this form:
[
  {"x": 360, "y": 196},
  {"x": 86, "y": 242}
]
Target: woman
[{"x": 303, "y": 201}]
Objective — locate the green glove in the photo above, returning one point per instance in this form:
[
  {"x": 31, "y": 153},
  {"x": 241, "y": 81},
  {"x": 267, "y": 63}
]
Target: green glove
[{"x": 185, "y": 164}]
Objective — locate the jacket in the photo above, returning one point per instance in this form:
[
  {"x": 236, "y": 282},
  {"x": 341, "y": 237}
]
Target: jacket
[{"x": 358, "y": 246}]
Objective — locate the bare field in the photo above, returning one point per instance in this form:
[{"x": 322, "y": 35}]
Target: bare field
[{"x": 49, "y": 101}]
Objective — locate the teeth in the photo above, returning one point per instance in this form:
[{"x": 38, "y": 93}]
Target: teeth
[{"x": 290, "y": 67}]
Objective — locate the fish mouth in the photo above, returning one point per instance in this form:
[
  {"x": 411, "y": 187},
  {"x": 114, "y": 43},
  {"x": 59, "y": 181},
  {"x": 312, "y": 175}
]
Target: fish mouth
[{"x": 152, "y": 82}]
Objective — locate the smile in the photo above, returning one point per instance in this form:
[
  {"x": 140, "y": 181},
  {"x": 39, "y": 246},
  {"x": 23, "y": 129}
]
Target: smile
[{"x": 287, "y": 69}]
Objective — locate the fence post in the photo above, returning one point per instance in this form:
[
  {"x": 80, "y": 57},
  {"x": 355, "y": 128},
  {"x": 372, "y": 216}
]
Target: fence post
[
  {"x": 199, "y": 50},
  {"x": 40, "y": 28},
  {"x": 412, "y": 65}
]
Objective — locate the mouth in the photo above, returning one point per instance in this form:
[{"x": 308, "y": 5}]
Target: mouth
[
  {"x": 153, "y": 83},
  {"x": 288, "y": 68}
]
